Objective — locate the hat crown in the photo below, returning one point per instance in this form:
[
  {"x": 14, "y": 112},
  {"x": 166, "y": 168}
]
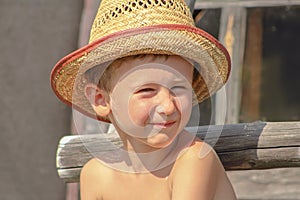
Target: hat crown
[{"x": 119, "y": 15}]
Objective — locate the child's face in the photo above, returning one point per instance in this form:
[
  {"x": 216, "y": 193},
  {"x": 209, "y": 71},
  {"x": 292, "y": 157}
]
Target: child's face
[{"x": 151, "y": 99}]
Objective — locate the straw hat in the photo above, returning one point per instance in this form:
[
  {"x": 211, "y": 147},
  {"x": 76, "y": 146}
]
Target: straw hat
[{"x": 130, "y": 27}]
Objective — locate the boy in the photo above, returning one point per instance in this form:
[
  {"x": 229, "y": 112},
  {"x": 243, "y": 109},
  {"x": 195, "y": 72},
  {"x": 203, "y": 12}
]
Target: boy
[{"x": 140, "y": 73}]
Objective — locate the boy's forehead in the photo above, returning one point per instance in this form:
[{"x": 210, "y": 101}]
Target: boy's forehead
[
  {"x": 178, "y": 63},
  {"x": 150, "y": 73}
]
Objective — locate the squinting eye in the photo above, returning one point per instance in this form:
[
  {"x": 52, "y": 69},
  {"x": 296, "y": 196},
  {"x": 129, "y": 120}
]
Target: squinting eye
[
  {"x": 178, "y": 87},
  {"x": 145, "y": 90}
]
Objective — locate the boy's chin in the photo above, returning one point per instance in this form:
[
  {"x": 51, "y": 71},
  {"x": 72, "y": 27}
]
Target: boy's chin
[{"x": 159, "y": 140}]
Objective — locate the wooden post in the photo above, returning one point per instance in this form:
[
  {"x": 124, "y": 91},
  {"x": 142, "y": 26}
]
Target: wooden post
[
  {"x": 232, "y": 35},
  {"x": 250, "y": 110}
]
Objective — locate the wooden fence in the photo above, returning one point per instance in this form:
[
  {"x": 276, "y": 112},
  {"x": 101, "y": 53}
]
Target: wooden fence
[{"x": 259, "y": 145}]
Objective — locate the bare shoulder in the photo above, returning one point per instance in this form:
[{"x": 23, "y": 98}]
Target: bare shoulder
[
  {"x": 199, "y": 160},
  {"x": 198, "y": 152},
  {"x": 198, "y": 174},
  {"x": 91, "y": 169},
  {"x": 91, "y": 180}
]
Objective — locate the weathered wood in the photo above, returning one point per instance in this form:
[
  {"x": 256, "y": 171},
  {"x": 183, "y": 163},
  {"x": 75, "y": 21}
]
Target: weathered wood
[
  {"x": 260, "y": 145},
  {"x": 252, "y": 78},
  {"x": 205, "y": 4},
  {"x": 232, "y": 35}
]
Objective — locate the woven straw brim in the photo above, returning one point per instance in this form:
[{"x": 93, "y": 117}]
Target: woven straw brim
[{"x": 67, "y": 78}]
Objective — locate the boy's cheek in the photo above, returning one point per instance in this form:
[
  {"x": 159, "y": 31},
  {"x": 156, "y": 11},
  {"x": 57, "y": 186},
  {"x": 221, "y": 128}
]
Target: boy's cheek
[
  {"x": 185, "y": 108},
  {"x": 138, "y": 115},
  {"x": 184, "y": 102}
]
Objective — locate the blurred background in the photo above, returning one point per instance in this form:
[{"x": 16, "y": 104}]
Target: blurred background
[{"x": 35, "y": 34}]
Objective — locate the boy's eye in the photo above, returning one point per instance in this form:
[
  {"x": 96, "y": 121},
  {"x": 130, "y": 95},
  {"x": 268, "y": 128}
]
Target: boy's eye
[
  {"x": 179, "y": 90},
  {"x": 179, "y": 87},
  {"x": 145, "y": 90}
]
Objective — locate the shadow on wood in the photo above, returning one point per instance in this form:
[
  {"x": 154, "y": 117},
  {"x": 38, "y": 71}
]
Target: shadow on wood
[{"x": 259, "y": 145}]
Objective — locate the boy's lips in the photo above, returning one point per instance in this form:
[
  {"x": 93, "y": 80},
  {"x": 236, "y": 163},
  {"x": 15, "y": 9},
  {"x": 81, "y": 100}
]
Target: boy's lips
[{"x": 163, "y": 124}]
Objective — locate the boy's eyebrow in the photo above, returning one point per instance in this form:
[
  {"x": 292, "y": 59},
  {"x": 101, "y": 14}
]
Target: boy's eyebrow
[
  {"x": 170, "y": 84},
  {"x": 178, "y": 80}
]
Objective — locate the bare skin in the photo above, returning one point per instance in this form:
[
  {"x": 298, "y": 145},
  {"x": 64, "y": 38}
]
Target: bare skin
[
  {"x": 189, "y": 177},
  {"x": 175, "y": 165}
]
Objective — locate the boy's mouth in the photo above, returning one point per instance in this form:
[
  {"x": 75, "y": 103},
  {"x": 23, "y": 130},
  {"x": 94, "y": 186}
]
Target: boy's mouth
[{"x": 163, "y": 124}]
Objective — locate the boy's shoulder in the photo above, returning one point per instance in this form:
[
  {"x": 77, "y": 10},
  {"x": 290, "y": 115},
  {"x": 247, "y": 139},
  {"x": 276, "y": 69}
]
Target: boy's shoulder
[
  {"x": 95, "y": 177},
  {"x": 197, "y": 172},
  {"x": 94, "y": 167},
  {"x": 94, "y": 171},
  {"x": 199, "y": 152},
  {"x": 197, "y": 159}
]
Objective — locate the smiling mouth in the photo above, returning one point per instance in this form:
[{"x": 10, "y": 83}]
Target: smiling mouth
[{"x": 163, "y": 124}]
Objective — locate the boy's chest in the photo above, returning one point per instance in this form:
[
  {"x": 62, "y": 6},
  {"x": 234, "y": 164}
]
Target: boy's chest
[{"x": 136, "y": 187}]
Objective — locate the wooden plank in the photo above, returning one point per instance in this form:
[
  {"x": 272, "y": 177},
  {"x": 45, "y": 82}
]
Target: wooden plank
[
  {"x": 70, "y": 175},
  {"x": 260, "y": 145},
  {"x": 232, "y": 36},
  {"x": 240, "y": 160},
  {"x": 205, "y": 4},
  {"x": 251, "y": 84}
]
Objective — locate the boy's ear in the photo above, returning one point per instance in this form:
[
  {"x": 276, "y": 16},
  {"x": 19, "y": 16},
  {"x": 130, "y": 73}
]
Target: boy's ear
[{"x": 98, "y": 99}]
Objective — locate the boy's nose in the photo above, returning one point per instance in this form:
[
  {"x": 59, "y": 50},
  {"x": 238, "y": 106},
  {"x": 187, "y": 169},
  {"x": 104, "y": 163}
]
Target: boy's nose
[{"x": 166, "y": 104}]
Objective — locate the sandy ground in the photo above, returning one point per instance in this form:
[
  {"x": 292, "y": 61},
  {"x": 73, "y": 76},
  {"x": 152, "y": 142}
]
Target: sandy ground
[{"x": 275, "y": 184}]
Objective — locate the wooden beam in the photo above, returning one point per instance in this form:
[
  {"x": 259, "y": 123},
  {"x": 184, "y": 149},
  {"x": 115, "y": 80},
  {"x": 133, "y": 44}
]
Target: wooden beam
[
  {"x": 205, "y": 4},
  {"x": 232, "y": 36},
  {"x": 260, "y": 145}
]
